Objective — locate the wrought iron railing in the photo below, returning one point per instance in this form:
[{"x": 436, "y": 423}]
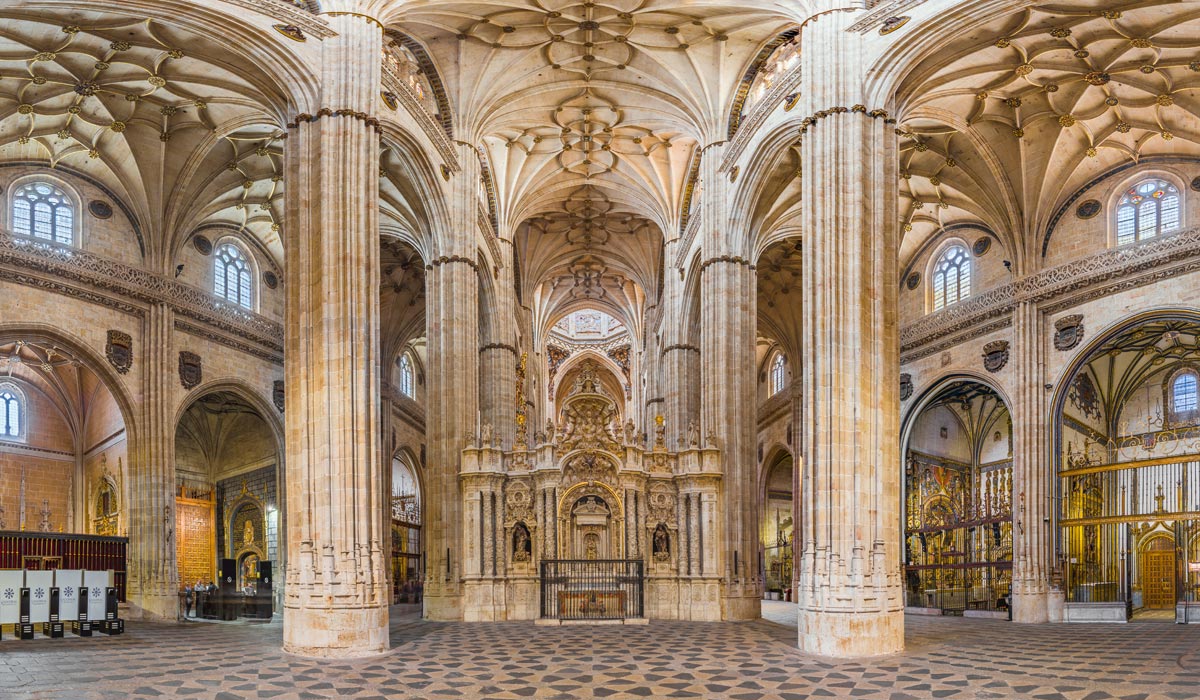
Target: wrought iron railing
[{"x": 593, "y": 589}]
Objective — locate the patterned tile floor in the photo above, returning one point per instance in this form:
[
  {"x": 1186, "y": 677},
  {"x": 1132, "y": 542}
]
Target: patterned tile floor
[{"x": 945, "y": 658}]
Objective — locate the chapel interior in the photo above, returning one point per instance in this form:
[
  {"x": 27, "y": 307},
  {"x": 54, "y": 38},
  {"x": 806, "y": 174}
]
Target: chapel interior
[{"x": 322, "y": 312}]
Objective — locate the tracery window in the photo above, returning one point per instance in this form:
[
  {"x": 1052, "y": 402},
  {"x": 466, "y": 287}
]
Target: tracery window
[
  {"x": 1185, "y": 397},
  {"x": 951, "y": 278},
  {"x": 1148, "y": 209},
  {"x": 231, "y": 278},
  {"x": 12, "y": 413},
  {"x": 43, "y": 211},
  {"x": 407, "y": 376},
  {"x": 778, "y": 374}
]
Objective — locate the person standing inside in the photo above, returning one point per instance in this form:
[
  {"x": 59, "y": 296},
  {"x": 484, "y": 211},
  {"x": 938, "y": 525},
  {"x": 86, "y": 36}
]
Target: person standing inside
[{"x": 187, "y": 601}]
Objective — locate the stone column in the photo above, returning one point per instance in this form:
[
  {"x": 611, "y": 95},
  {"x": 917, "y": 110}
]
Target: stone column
[
  {"x": 1031, "y": 496},
  {"x": 452, "y": 313},
  {"x": 850, "y": 594},
  {"x": 336, "y": 596},
  {"x": 728, "y": 328},
  {"x": 499, "y": 355},
  {"x": 153, "y": 578}
]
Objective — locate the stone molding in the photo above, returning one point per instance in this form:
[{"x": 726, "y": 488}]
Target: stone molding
[
  {"x": 446, "y": 259},
  {"x": 289, "y": 13},
  {"x": 90, "y": 277},
  {"x": 498, "y": 346},
  {"x": 1055, "y": 289},
  {"x": 732, "y": 259},
  {"x": 748, "y": 127},
  {"x": 680, "y": 346},
  {"x": 305, "y": 118},
  {"x": 437, "y": 135},
  {"x": 879, "y": 13}
]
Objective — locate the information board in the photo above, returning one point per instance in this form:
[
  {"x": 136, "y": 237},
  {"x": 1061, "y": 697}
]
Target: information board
[
  {"x": 11, "y": 583},
  {"x": 68, "y": 582},
  {"x": 39, "y": 584},
  {"x": 96, "y": 582}
]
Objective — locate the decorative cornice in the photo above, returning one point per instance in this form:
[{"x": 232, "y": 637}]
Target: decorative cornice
[
  {"x": 498, "y": 346},
  {"x": 758, "y": 114},
  {"x": 739, "y": 99},
  {"x": 446, "y": 259},
  {"x": 437, "y": 136},
  {"x": 359, "y": 15},
  {"x": 85, "y": 275},
  {"x": 202, "y": 331},
  {"x": 367, "y": 119},
  {"x": 880, "y": 13},
  {"x": 679, "y": 346},
  {"x": 689, "y": 190},
  {"x": 290, "y": 14},
  {"x": 1055, "y": 289},
  {"x": 812, "y": 120},
  {"x": 734, "y": 259}
]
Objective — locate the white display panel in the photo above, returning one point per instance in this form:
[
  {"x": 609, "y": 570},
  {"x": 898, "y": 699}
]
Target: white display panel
[
  {"x": 39, "y": 584},
  {"x": 11, "y": 583},
  {"x": 68, "y": 582},
  {"x": 96, "y": 582}
]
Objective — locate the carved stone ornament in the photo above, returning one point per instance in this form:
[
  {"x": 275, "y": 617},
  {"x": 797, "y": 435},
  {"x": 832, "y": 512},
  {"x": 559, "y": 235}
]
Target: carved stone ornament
[
  {"x": 982, "y": 246},
  {"x": 1088, "y": 209},
  {"x": 119, "y": 351},
  {"x": 913, "y": 281},
  {"x": 1068, "y": 332},
  {"x": 291, "y": 31},
  {"x": 891, "y": 24},
  {"x": 202, "y": 244},
  {"x": 190, "y": 372},
  {"x": 906, "y": 387},
  {"x": 995, "y": 355},
  {"x": 99, "y": 209},
  {"x": 277, "y": 394},
  {"x": 270, "y": 279},
  {"x": 1196, "y": 183}
]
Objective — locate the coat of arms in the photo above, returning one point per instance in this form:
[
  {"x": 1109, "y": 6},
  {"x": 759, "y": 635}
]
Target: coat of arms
[
  {"x": 1068, "y": 332},
  {"x": 995, "y": 355},
  {"x": 277, "y": 394},
  {"x": 906, "y": 387},
  {"x": 190, "y": 372},
  {"x": 119, "y": 351}
]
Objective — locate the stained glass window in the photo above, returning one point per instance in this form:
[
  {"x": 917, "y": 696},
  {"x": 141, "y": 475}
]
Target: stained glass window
[
  {"x": 231, "y": 276},
  {"x": 951, "y": 278},
  {"x": 43, "y": 211},
  {"x": 1150, "y": 208},
  {"x": 778, "y": 374},
  {"x": 12, "y": 412},
  {"x": 406, "y": 376}
]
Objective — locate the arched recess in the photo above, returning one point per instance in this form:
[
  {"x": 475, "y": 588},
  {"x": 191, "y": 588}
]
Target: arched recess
[
  {"x": 407, "y": 545},
  {"x": 230, "y": 496},
  {"x": 76, "y": 467},
  {"x": 610, "y": 378},
  {"x": 1126, "y": 471},
  {"x": 777, "y": 483},
  {"x": 957, "y": 515}
]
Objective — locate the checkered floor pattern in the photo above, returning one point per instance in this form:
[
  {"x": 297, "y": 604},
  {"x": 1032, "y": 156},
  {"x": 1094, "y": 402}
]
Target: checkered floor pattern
[{"x": 945, "y": 658}]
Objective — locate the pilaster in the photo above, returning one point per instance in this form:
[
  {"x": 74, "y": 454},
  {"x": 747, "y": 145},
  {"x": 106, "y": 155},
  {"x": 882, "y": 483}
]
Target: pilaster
[
  {"x": 336, "y": 597},
  {"x": 849, "y": 593}
]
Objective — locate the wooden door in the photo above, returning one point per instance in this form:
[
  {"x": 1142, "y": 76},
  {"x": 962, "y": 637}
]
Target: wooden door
[{"x": 1158, "y": 574}]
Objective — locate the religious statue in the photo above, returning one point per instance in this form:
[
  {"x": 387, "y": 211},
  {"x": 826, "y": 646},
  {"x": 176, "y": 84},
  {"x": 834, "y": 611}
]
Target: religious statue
[
  {"x": 693, "y": 434},
  {"x": 630, "y": 432},
  {"x": 662, "y": 543},
  {"x": 248, "y": 533},
  {"x": 592, "y": 549},
  {"x": 550, "y": 429},
  {"x": 659, "y": 431},
  {"x": 522, "y": 546},
  {"x": 710, "y": 439},
  {"x": 522, "y": 434},
  {"x": 167, "y": 529},
  {"x": 485, "y": 435}
]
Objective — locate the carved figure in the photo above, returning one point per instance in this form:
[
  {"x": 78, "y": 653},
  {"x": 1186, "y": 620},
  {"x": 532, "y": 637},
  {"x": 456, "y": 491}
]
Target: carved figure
[
  {"x": 693, "y": 434},
  {"x": 662, "y": 543},
  {"x": 522, "y": 545},
  {"x": 248, "y": 534},
  {"x": 485, "y": 435},
  {"x": 630, "y": 431}
]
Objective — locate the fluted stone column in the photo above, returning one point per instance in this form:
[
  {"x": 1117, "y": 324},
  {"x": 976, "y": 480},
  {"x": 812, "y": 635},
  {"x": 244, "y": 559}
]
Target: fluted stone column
[
  {"x": 1031, "y": 496},
  {"x": 727, "y": 335},
  {"x": 336, "y": 598},
  {"x": 849, "y": 595},
  {"x": 499, "y": 355},
  {"x": 154, "y": 580},
  {"x": 452, "y": 313}
]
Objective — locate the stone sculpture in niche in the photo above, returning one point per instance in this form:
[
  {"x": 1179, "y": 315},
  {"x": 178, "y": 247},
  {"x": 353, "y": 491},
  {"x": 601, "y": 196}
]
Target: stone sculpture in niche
[
  {"x": 522, "y": 543},
  {"x": 662, "y": 543}
]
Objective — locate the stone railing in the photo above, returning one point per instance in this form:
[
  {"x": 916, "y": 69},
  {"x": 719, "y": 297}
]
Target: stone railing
[
  {"x": 1054, "y": 289},
  {"x": 85, "y": 275}
]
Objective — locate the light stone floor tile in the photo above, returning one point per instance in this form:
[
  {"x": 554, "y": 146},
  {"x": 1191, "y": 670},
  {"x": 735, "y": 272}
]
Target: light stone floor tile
[{"x": 944, "y": 658}]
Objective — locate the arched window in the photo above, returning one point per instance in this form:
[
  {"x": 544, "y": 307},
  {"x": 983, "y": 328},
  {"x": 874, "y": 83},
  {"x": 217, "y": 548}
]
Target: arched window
[
  {"x": 407, "y": 375},
  {"x": 951, "y": 278},
  {"x": 231, "y": 278},
  {"x": 1150, "y": 208},
  {"x": 43, "y": 211},
  {"x": 778, "y": 374},
  {"x": 1184, "y": 395},
  {"x": 12, "y": 413}
]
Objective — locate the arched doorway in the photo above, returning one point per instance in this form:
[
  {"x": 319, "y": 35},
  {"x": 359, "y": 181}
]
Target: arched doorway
[
  {"x": 1126, "y": 418},
  {"x": 407, "y": 543},
  {"x": 778, "y": 525},
  {"x": 958, "y": 499},
  {"x": 228, "y": 498}
]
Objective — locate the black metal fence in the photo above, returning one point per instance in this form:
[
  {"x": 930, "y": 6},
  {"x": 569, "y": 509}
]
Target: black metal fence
[{"x": 593, "y": 589}]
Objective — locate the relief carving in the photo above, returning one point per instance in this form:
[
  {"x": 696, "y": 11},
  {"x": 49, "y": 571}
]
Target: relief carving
[{"x": 1068, "y": 332}]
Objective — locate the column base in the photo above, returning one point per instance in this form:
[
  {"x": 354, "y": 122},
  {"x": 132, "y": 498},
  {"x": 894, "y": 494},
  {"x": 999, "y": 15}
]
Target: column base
[
  {"x": 744, "y": 603},
  {"x": 335, "y": 633},
  {"x": 1035, "y": 608},
  {"x": 851, "y": 634},
  {"x": 443, "y": 607},
  {"x": 153, "y": 607}
]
